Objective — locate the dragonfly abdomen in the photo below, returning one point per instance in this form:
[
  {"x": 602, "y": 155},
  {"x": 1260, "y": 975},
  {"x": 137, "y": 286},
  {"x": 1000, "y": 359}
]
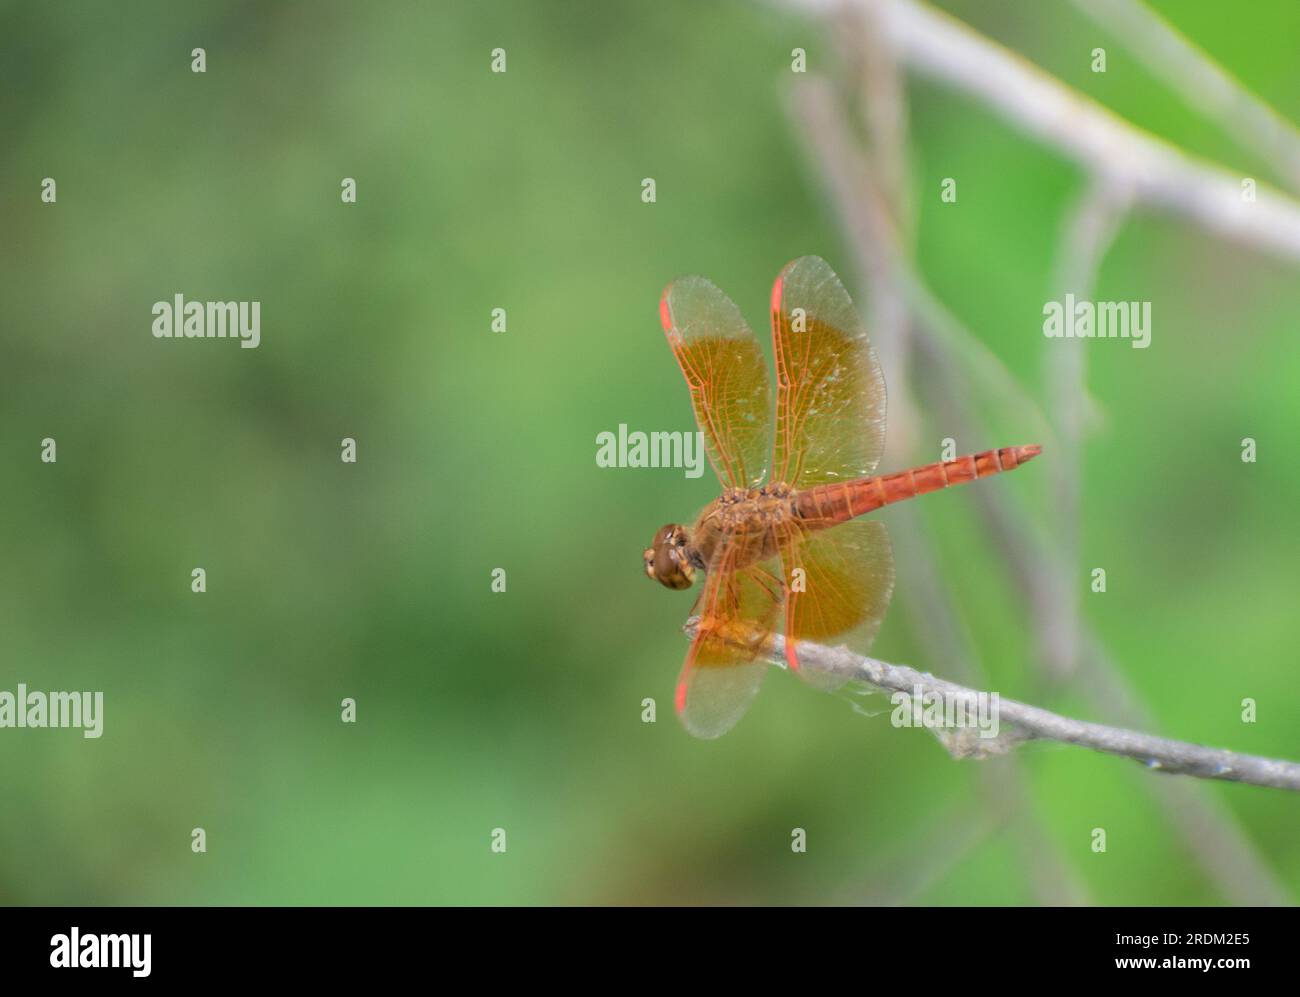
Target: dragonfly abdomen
[{"x": 841, "y": 501}]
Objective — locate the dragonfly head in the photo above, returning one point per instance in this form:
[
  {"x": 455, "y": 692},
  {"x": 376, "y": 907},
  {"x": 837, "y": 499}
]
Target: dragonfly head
[{"x": 667, "y": 559}]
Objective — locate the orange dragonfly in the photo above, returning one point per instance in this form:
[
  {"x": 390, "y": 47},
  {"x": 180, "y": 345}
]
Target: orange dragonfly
[{"x": 766, "y": 546}]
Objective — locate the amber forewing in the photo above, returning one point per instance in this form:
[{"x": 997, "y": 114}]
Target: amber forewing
[
  {"x": 727, "y": 376},
  {"x": 830, "y": 403},
  {"x": 830, "y": 426}
]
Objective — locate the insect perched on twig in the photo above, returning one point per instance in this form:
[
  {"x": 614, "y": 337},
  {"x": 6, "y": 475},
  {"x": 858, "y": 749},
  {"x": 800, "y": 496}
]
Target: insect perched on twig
[{"x": 787, "y": 548}]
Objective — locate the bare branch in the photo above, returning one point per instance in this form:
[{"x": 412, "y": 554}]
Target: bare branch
[
  {"x": 1159, "y": 174},
  {"x": 1034, "y": 723},
  {"x": 1207, "y": 88}
]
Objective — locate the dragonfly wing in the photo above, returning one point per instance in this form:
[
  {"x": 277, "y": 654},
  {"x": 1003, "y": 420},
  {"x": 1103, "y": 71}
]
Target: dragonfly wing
[
  {"x": 727, "y": 375},
  {"x": 830, "y": 403},
  {"x": 726, "y": 662},
  {"x": 839, "y": 584}
]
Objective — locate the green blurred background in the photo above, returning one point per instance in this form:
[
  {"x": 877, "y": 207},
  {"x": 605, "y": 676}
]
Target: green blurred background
[{"x": 476, "y": 450}]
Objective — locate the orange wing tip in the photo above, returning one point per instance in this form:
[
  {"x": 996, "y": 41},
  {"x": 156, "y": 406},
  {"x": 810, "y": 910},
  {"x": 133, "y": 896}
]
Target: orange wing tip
[
  {"x": 679, "y": 697},
  {"x": 791, "y": 656},
  {"x": 665, "y": 316},
  {"x": 776, "y": 293}
]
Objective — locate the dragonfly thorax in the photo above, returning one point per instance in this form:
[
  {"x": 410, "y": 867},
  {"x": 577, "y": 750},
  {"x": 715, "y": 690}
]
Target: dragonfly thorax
[{"x": 746, "y": 521}]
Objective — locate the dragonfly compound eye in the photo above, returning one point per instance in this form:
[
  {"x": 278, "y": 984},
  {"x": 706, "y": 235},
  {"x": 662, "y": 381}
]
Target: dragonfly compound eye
[{"x": 667, "y": 561}]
